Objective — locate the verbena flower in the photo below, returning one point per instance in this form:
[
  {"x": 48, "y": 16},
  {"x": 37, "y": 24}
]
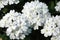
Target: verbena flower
[
  {"x": 17, "y": 25},
  {"x": 36, "y": 12},
  {"x": 57, "y": 7},
  {"x": 57, "y": 37},
  {"x": 51, "y": 27},
  {"x": 2, "y": 3},
  {"x": 13, "y": 2},
  {"x": 6, "y": 2}
]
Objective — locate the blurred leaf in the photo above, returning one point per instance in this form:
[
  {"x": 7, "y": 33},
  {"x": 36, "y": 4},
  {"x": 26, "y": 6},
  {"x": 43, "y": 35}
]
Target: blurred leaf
[
  {"x": 4, "y": 10},
  {"x": 4, "y": 37},
  {"x": 51, "y": 6}
]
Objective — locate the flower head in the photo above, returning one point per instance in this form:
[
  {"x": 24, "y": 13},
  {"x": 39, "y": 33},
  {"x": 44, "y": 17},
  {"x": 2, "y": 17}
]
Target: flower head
[
  {"x": 36, "y": 12},
  {"x": 57, "y": 7},
  {"x": 17, "y": 25},
  {"x": 51, "y": 27}
]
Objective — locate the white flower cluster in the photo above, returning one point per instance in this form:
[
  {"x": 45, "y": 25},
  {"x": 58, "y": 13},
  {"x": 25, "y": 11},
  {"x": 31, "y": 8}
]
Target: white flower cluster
[
  {"x": 2, "y": 3},
  {"x": 13, "y": 2},
  {"x": 57, "y": 7},
  {"x": 36, "y": 12},
  {"x": 55, "y": 37},
  {"x": 52, "y": 27},
  {"x": 6, "y": 2},
  {"x": 17, "y": 25},
  {"x": 7, "y": 20}
]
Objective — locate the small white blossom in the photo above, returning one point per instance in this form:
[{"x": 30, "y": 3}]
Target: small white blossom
[
  {"x": 13, "y": 2},
  {"x": 2, "y": 3},
  {"x": 6, "y": 2},
  {"x": 54, "y": 38},
  {"x": 57, "y": 37},
  {"x": 57, "y": 7}
]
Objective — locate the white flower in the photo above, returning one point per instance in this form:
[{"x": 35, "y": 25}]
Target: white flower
[
  {"x": 36, "y": 12},
  {"x": 57, "y": 37},
  {"x": 6, "y": 2},
  {"x": 47, "y": 31},
  {"x": 2, "y": 3},
  {"x": 13, "y": 2},
  {"x": 52, "y": 26},
  {"x": 9, "y": 18},
  {"x": 57, "y": 7},
  {"x": 54, "y": 38},
  {"x": 17, "y": 25}
]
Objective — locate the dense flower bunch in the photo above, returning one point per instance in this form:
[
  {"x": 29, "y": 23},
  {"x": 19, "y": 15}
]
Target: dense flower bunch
[
  {"x": 37, "y": 13},
  {"x": 34, "y": 14},
  {"x": 17, "y": 25},
  {"x": 51, "y": 27},
  {"x": 6, "y": 2}
]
